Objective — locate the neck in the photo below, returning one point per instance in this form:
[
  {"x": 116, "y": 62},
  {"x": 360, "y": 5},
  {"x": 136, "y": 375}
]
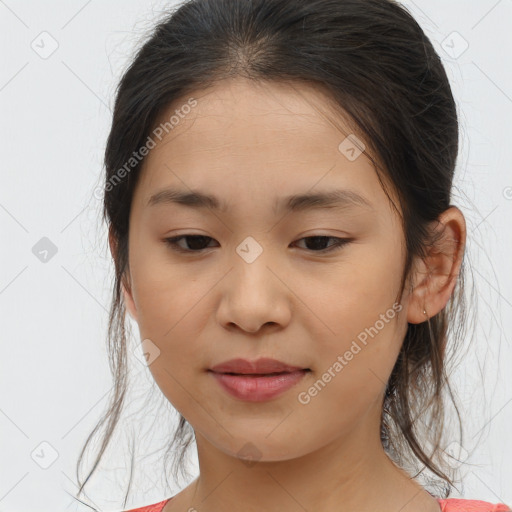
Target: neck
[{"x": 352, "y": 472}]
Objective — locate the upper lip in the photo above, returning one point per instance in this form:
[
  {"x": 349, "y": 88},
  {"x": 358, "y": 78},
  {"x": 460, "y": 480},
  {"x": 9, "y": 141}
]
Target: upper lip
[{"x": 263, "y": 365}]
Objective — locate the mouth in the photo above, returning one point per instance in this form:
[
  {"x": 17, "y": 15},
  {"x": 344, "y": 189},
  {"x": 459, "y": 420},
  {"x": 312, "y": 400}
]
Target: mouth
[
  {"x": 260, "y": 367},
  {"x": 260, "y": 374},
  {"x": 256, "y": 375},
  {"x": 257, "y": 386}
]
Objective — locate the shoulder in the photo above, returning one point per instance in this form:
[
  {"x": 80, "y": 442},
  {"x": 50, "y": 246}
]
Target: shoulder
[
  {"x": 447, "y": 505},
  {"x": 462, "y": 505},
  {"x": 157, "y": 507}
]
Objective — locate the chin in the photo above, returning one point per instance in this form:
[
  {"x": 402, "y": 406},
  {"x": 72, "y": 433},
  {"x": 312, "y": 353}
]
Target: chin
[{"x": 258, "y": 447}]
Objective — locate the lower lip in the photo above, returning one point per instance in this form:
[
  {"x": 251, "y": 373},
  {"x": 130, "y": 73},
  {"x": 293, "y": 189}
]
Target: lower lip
[{"x": 254, "y": 388}]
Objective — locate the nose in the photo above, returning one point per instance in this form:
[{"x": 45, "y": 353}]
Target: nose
[{"x": 254, "y": 297}]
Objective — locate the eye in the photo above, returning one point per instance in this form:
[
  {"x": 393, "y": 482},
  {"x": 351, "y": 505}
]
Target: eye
[
  {"x": 197, "y": 243},
  {"x": 318, "y": 242}
]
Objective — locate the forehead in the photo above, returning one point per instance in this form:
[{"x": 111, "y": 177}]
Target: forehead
[
  {"x": 259, "y": 136},
  {"x": 258, "y": 111}
]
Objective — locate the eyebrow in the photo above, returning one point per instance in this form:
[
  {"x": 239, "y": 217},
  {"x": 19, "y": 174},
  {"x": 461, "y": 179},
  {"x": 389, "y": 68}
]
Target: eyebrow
[{"x": 341, "y": 199}]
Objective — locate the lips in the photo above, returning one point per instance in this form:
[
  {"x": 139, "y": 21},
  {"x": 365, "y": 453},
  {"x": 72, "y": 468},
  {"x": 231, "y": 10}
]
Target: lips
[
  {"x": 262, "y": 366},
  {"x": 256, "y": 381}
]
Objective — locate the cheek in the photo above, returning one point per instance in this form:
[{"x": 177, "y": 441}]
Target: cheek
[
  {"x": 352, "y": 368},
  {"x": 354, "y": 293},
  {"x": 171, "y": 314},
  {"x": 165, "y": 294},
  {"x": 360, "y": 320}
]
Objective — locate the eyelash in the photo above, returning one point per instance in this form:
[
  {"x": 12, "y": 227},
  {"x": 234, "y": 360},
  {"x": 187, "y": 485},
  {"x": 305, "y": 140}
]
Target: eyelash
[{"x": 173, "y": 243}]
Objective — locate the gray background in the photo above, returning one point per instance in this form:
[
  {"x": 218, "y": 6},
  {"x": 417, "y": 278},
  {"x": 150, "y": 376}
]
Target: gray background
[{"x": 55, "y": 115}]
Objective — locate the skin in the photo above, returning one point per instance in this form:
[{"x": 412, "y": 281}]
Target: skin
[{"x": 249, "y": 144}]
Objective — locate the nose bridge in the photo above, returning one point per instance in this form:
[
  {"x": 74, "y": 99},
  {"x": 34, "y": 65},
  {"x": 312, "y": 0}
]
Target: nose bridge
[
  {"x": 250, "y": 250},
  {"x": 251, "y": 274},
  {"x": 252, "y": 296}
]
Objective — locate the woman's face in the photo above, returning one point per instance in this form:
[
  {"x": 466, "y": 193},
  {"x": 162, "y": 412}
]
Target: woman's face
[{"x": 257, "y": 286}]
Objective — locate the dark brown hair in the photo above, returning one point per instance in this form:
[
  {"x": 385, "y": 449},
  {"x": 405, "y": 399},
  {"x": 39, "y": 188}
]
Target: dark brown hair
[{"x": 375, "y": 62}]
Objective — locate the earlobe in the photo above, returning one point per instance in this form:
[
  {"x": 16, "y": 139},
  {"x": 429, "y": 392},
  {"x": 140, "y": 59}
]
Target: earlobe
[
  {"x": 436, "y": 275},
  {"x": 418, "y": 293}
]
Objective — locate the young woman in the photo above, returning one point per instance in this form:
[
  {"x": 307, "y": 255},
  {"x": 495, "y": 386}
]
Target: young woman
[{"x": 278, "y": 190}]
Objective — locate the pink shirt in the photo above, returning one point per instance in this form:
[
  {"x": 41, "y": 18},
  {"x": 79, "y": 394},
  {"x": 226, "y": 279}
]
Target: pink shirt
[{"x": 447, "y": 505}]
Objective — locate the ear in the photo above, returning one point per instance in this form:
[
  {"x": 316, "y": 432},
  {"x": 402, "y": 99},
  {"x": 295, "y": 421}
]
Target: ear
[
  {"x": 435, "y": 276},
  {"x": 125, "y": 282}
]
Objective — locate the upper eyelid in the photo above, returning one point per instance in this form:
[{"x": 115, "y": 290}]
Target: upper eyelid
[
  {"x": 340, "y": 241},
  {"x": 194, "y": 235}
]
